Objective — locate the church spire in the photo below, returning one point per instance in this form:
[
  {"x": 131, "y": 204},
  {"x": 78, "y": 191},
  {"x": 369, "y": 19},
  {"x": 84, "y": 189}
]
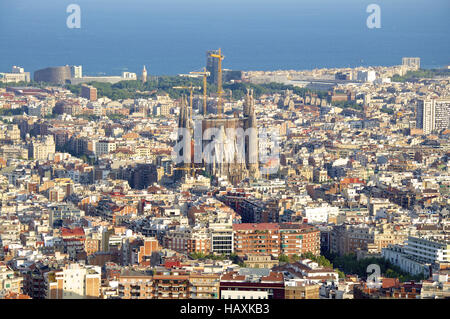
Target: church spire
[
  {"x": 183, "y": 114},
  {"x": 249, "y": 103},
  {"x": 253, "y": 147}
]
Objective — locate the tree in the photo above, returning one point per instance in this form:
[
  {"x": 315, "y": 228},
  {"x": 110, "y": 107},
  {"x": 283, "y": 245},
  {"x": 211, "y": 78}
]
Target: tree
[
  {"x": 195, "y": 255},
  {"x": 349, "y": 264},
  {"x": 165, "y": 84}
]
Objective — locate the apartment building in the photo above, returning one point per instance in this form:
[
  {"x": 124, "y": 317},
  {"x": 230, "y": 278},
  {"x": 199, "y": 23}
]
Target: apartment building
[
  {"x": 250, "y": 283},
  {"x": 64, "y": 211},
  {"x": 104, "y": 147},
  {"x": 166, "y": 284},
  {"x": 276, "y": 239},
  {"x": 9, "y": 281},
  {"x": 171, "y": 285},
  {"x": 204, "y": 286},
  {"x": 298, "y": 239},
  {"x": 41, "y": 148},
  {"x": 34, "y": 281},
  {"x": 73, "y": 241},
  {"x": 433, "y": 115},
  {"x": 222, "y": 238},
  {"x": 139, "y": 251},
  {"x": 188, "y": 241},
  {"x": 74, "y": 281},
  {"x": 301, "y": 290},
  {"x": 89, "y": 92},
  {"x": 260, "y": 261},
  {"x": 263, "y": 239},
  {"x": 349, "y": 238},
  {"x": 135, "y": 285},
  {"x": 10, "y": 133},
  {"x": 428, "y": 249},
  {"x": 418, "y": 255},
  {"x": 438, "y": 286}
]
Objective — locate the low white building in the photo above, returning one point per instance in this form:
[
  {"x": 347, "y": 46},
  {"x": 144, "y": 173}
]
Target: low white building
[
  {"x": 428, "y": 250},
  {"x": 241, "y": 294},
  {"x": 396, "y": 255},
  {"x": 320, "y": 214},
  {"x": 418, "y": 255}
]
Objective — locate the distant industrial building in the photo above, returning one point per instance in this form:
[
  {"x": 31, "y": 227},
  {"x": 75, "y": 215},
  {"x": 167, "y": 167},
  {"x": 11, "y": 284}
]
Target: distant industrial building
[
  {"x": 55, "y": 75},
  {"x": 17, "y": 74},
  {"x": 129, "y": 76},
  {"x": 126, "y": 76},
  {"x": 411, "y": 62}
]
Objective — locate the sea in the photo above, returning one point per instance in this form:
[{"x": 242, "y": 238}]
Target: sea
[{"x": 172, "y": 36}]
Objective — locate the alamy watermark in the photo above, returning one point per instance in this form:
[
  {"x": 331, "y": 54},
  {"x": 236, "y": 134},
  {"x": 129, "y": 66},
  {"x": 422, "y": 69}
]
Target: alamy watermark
[
  {"x": 74, "y": 19},
  {"x": 217, "y": 145},
  {"x": 374, "y": 19},
  {"x": 373, "y": 280}
]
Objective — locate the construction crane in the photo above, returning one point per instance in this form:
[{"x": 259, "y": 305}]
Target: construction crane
[
  {"x": 191, "y": 89},
  {"x": 187, "y": 169},
  {"x": 205, "y": 76},
  {"x": 190, "y": 169},
  {"x": 220, "y": 57}
]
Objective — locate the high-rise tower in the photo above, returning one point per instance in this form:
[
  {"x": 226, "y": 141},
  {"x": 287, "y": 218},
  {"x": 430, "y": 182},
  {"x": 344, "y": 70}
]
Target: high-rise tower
[
  {"x": 212, "y": 66},
  {"x": 433, "y": 115}
]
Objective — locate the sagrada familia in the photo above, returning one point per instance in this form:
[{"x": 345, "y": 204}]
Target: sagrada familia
[{"x": 230, "y": 152}]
